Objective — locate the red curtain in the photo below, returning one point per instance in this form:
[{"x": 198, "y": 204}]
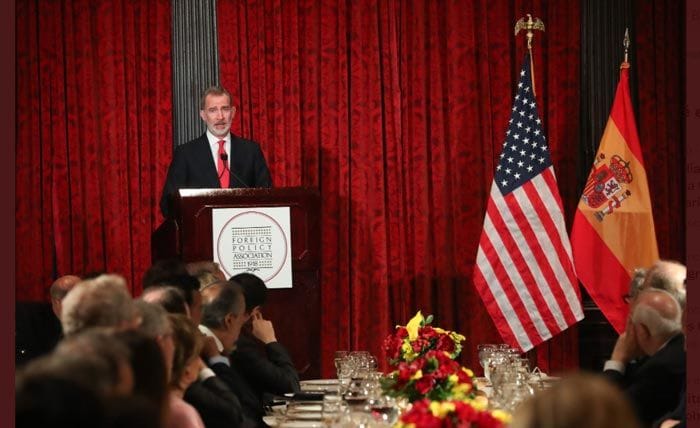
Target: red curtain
[
  {"x": 397, "y": 111},
  {"x": 93, "y": 136},
  {"x": 658, "y": 60}
]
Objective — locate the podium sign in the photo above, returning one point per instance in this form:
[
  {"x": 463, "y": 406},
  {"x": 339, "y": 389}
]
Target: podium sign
[{"x": 255, "y": 240}]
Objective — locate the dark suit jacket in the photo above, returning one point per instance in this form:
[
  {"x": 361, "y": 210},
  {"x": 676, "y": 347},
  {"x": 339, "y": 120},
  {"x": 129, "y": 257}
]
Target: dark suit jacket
[
  {"x": 268, "y": 369},
  {"x": 216, "y": 403},
  {"x": 193, "y": 167},
  {"x": 653, "y": 387},
  {"x": 251, "y": 404}
]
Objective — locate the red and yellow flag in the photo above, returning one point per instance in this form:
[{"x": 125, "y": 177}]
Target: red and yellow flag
[{"x": 613, "y": 230}]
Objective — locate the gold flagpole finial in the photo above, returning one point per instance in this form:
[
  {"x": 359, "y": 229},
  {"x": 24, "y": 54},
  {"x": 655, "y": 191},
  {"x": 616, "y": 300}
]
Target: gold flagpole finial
[
  {"x": 626, "y": 44},
  {"x": 529, "y": 25}
]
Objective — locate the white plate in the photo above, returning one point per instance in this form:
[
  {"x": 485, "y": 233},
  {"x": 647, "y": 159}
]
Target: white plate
[
  {"x": 305, "y": 408},
  {"x": 319, "y": 382},
  {"x": 301, "y": 424}
]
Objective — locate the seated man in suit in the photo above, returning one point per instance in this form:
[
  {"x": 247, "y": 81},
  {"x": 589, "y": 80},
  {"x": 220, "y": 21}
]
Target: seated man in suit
[
  {"x": 654, "y": 330},
  {"x": 223, "y": 307},
  {"x": 217, "y": 159},
  {"x": 262, "y": 360}
]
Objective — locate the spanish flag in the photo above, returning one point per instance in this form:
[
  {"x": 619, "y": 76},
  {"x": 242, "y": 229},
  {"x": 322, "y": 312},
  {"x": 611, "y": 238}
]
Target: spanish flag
[{"x": 613, "y": 230}]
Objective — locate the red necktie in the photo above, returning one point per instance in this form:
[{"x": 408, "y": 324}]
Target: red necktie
[{"x": 222, "y": 166}]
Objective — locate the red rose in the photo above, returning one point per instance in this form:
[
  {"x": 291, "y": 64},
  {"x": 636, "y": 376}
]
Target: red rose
[
  {"x": 401, "y": 332},
  {"x": 424, "y": 384},
  {"x": 427, "y": 332},
  {"x": 405, "y": 372},
  {"x": 445, "y": 344}
]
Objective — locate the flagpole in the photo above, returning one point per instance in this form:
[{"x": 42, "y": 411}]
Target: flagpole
[
  {"x": 626, "y": 44},
  {"x": 530, "y": 25}
]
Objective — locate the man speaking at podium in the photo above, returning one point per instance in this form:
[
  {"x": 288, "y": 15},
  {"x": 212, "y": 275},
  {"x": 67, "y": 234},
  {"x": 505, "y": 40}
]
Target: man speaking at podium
[{"x": 217, "y": 159}]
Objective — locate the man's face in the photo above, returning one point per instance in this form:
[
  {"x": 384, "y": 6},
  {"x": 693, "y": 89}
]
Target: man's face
[{"x": 218, "y": 114}]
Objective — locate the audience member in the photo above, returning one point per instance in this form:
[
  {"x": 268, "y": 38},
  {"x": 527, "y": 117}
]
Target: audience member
[
  {"x": 49, "y": 400},
  {"x": 654, "y": 330},
  {"x": 101, "y": 302},
  {"x": 170, "y": 298},
  {"x": 162, "y": 270},
  {"x": 261, "y": 359},
  {"x": 579, "y": 401},
  {"x": 150, "y": 368},
  {"x": 203, "y": 267},
  {"x": 670, "y": 276},
  {"x": 184, "y": 372},
  {"x": 223, "y": 315},
  {"x": 58, "y": 291}
]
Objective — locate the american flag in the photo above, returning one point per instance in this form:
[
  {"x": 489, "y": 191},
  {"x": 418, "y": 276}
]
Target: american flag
[{"x": 524, "y": 271}]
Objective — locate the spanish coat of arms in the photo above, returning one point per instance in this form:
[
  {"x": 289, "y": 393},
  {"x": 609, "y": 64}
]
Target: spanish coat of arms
[{"x": 606, "y": 187}]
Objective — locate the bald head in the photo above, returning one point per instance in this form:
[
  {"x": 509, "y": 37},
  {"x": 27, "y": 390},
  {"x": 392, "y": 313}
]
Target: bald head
[
  {"x": 58, "y": 291},
  {"x": 669, "y": 276},
  {"x": 657, "y": 317}
]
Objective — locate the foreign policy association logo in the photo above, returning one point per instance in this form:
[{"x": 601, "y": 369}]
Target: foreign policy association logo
[{"x": 607, "y": 186}]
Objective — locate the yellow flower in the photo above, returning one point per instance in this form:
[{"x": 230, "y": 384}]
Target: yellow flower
[
  {"x": 408, "y": 353},
  {"x": 440, "y": 409},
  {"x": 453, "y": 378},
  {"x": 413, "y": 326},
  {"x": 479, "y": 402},
  {"x": 456, "y": 336},
  {"x": 468, "y": 372},
  {"x": 502, "y": 416},
  {"x": 403, "y": 425},
  {"x": 417, "y": 375},
  {"x": 461, "y": 390}
]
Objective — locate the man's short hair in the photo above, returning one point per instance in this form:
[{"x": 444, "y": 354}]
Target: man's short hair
[
  {"x": 213, "y": 90},
  {"x": 172, "y": 299},
  {"x": 154, "y": 318},
  {"x": 670, "y": 276},
  {"x": 220, "y": 299},
  {"x": 186, "y": 283},
  {"x": 254, "y": 289},
  {"x": 101, "y": 302},
  {"x": 162, "y": 270}
]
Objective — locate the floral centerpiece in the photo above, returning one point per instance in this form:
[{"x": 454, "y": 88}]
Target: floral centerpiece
[
  {"x": 426, "y": 374},
  {"x": 434, "y": 375},
  {"x": 434, "y": 414},
  {"x": 417, "y": 338}
]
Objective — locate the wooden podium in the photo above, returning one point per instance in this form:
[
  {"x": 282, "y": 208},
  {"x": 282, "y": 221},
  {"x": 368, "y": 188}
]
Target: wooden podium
[{"x": 295, "y": 312}]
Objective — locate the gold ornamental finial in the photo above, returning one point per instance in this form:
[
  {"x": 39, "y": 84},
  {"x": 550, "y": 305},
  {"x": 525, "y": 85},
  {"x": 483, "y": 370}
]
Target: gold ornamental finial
[{"x": 529, "y": 25}]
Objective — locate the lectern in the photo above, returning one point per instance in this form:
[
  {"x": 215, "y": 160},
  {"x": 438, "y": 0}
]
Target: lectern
[{"x": 295, "y": 312}]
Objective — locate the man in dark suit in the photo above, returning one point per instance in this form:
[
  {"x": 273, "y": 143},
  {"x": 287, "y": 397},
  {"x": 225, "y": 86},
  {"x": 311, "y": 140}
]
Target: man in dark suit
[
  {"x": 262, "y": 360},
  {"x": 654, "y": 329},
  {"x": 223, "y": 307},
  {"x": 217, "y": 159}
]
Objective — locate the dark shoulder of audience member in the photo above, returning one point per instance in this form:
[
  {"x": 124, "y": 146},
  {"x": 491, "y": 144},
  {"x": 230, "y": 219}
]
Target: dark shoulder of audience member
[
  {"x": 254, "y": 289},
  {"x": 48, "y": 400}
]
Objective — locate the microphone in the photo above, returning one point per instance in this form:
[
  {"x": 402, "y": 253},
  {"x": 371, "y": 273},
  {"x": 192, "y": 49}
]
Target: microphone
[{"x": 224, "y": 157}]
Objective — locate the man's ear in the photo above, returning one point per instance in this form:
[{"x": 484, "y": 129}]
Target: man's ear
[{"x": 203, "y": 115}]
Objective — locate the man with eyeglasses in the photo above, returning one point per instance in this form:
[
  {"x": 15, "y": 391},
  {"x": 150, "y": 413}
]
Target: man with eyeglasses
[{"x": 217, "y": 159}]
